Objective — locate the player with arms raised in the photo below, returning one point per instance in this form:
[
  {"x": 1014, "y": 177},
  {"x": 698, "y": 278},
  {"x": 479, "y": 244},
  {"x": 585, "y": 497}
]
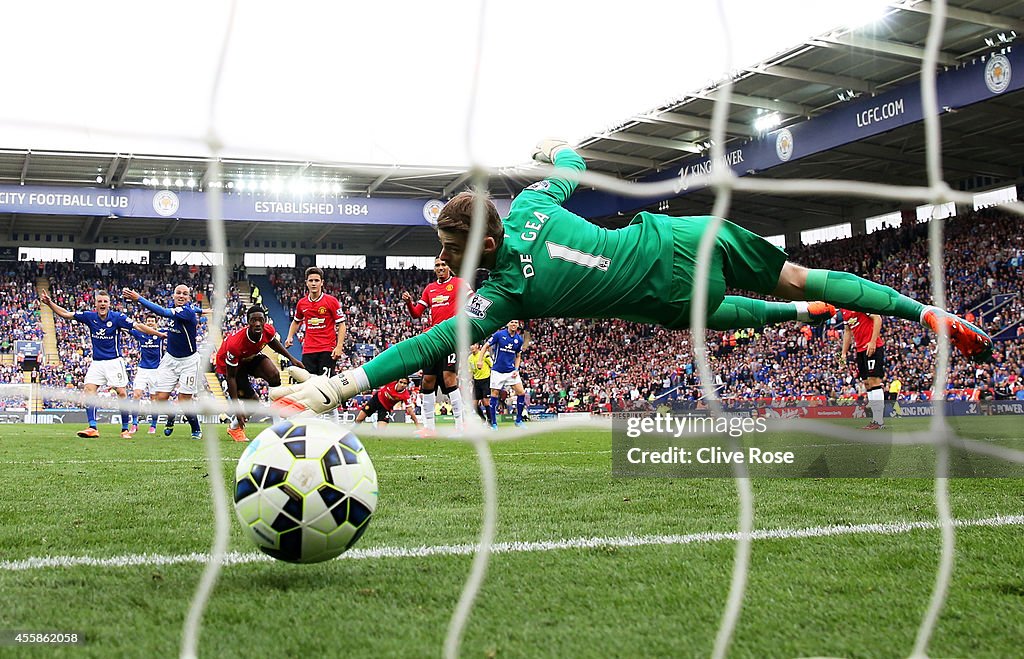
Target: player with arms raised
[
  {"x": 864, "y": 332},
  {"x": 546, "y": 261},
  {"x": 107, "y": 368},
  {"x": 383, "y": 403},
  {"x": 439, "y": 298},
  {"x": 179, "y": 367},
  {"x": 241, "y": 356}
]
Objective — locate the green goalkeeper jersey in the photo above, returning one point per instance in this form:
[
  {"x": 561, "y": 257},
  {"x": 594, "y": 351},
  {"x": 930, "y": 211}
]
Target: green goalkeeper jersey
[{"x": 553, "y": 262}]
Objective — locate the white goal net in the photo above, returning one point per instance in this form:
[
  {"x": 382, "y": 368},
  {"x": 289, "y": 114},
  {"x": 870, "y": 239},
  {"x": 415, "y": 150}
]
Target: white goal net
[{"x": 229, "y": 24}]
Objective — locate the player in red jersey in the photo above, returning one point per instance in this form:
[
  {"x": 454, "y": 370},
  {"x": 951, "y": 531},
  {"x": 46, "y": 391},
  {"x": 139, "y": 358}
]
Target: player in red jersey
[
  {"x": 440, "y": 298},
  {"x": 864, "y": 331},
  {"x": 383, "y": 403},
  {"x": 240, "y": 357},
  {"x": 324, "y": 340}
]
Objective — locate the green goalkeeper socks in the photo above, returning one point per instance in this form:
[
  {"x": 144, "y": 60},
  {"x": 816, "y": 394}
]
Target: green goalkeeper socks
[
  {"x": 737, "y": 312},
  {"x": 852, "y": 292}
]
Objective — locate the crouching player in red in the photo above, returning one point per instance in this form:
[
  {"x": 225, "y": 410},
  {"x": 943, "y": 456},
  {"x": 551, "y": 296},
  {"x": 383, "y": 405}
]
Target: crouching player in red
[
  {"x": 240, "y": 357},
  {"x": 383, "y": 403}
]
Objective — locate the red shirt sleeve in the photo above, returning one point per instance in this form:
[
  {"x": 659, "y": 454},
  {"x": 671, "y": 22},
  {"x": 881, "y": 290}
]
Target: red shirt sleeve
[{"x": 232, "y": 349}]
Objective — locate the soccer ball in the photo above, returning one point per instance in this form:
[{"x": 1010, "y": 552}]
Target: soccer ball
[{"x": 305, "y": 490}]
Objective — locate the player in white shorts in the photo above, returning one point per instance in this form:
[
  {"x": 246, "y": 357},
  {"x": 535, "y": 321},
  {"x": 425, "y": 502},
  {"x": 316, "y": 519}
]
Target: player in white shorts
[
  {"x": 181, "y": 373},
  {"x": 145, "y": 381},
  {"x": 151, "y": 350},
  {"x": 500, "y": 380},
  {"x": 108, "y": 373},
  {"x": 180, "y": 367},
  {"x": 107, "y": 368}
]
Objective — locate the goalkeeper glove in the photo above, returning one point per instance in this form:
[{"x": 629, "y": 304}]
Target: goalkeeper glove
[
  {"x": 547, "y": 148},
  {"x": 314, "y": 394}
]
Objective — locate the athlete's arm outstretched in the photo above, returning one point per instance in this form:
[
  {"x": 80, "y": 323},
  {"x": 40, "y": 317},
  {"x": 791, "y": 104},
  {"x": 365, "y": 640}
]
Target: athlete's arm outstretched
[
  {"x": 562, "y": 156},
  {"x": 166, "y": 312}
]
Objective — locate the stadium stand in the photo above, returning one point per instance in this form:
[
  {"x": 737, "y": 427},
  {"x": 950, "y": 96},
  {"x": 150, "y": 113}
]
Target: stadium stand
[
  {"x": 576, "y": 365},
  {"x": 19, "y": 317}
]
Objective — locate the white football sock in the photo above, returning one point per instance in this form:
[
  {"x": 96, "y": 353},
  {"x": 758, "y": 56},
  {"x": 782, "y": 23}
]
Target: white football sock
[
  {"x": 457, "y": 408},
  {"x": 876, "y": 401},
  {"x": 429, "y": 401}
]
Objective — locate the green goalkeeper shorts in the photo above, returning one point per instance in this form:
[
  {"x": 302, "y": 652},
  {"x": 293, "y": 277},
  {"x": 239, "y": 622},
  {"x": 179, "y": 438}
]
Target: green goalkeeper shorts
[{"x": 739, "y": 259}]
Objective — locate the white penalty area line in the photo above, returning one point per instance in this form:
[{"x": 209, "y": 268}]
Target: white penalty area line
[
  {"x": 198, "y": 459},
  {"x": 240, "y": 558}
]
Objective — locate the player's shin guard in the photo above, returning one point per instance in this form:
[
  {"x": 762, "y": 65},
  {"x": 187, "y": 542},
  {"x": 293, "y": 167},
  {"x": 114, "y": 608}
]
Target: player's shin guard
[
  {"x": 128, "y": 415},
  {"x": 520, "y": 404},
  {"x": 492, "y": 411},
  {"x": 876, "y": 402},
  {"x": 458, "y": 409},
  {"x": 852, "y": 292},
  {"x": 429, "y": 402}
]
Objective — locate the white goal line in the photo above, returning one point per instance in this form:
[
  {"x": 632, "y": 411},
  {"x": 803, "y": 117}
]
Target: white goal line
[{"x": 426, "y": 551}]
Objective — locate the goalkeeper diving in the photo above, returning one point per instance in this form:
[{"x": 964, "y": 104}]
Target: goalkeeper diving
[{"x": 546, "y": 261}]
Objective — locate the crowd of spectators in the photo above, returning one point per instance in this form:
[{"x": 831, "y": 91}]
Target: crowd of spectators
[
  {"x": 19, "y": 306},
  {"x": 573, "y": 364}
]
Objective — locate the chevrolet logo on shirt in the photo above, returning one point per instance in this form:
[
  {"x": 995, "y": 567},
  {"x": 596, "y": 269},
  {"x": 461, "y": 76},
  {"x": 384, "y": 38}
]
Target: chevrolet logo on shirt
[{"x": 440, "y": 299}]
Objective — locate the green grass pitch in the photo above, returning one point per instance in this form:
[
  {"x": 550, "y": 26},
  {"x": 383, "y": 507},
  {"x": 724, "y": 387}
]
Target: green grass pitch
[{"x": 856, "y": 595}]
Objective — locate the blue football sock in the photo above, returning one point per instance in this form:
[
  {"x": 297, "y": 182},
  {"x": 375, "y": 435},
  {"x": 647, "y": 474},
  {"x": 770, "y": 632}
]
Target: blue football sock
[
  {"x": 520, "y": 404},
  {"x": 90, "y": 412},
  {"x": 492, "y": 410},
  {"x": 193, "y": 422}
]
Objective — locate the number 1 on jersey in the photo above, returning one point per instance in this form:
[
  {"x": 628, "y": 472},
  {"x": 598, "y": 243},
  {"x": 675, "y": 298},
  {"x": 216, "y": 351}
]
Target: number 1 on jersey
[{"x": 571, "y": 255}]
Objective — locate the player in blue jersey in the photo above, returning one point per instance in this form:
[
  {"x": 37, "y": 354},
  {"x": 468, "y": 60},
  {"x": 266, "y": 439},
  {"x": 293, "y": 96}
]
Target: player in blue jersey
[
  {"x": 508, "y": 348},
  {"x": 151, "y": 350},
  {"x": 179, "y": 367},
  {"x": 107, "y": 368}
]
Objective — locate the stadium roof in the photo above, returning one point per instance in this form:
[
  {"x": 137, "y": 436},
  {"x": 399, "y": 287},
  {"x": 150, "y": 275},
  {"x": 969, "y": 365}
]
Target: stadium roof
[{"x": 806, "y": 81}]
